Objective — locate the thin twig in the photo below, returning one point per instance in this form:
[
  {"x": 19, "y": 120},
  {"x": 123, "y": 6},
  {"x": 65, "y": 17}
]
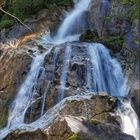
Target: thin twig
[{"x": 15, "y": 18}]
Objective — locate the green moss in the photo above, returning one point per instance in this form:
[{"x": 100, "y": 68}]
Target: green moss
[
  {"x": 115, "y": 40},
  {"x": 94, "y": 121},
  {"x": 124, "y": 2},
  {"x": 73, "y": 137},
  {"x": 114, "y": 43},
  {"x": 107, "y": 18},
  {"x": 134, "y": 10},
  {"x": 6, "y": 23},
  {"x": 24, "y": 8},
  {"x": 60, "y": 2}
]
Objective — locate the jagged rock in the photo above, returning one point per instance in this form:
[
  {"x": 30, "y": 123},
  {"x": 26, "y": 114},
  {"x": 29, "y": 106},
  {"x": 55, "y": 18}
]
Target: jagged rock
[{"x": 75, "y": 117}]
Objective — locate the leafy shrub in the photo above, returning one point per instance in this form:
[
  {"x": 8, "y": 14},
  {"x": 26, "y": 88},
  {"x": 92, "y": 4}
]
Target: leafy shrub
[
  {"x": 25, "y": 8},
  {"x": 6, "y": 23}
]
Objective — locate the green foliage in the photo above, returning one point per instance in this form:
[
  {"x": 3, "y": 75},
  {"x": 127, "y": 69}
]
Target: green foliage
[
  {"x": 60, "y": 2},
  {"x": 117, "y": 40},
  {"x": 73, "y": 137},
  {"x": 124, "y": 2},
  {"x": 134, "y": 11},
  {"x": 6, "y": 23},
  {"x": 24, "y": 9},
  {"x": 107, "y": 18}
]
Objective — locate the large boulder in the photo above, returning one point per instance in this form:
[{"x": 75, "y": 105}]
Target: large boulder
[{"x": 77, "y": 117}]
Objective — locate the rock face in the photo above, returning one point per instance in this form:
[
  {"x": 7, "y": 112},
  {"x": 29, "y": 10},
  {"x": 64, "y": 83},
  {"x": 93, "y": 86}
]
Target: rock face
[
  {"x": 49, "y": 88},
  {"x": 14, "y": 66},
  {"x": 15, "y": 58},
  {"x": 115, "y": 24},
  {"x": 135, "y": 97},
  {"x": 45, "y": 20},
  {"x": 75, "y": 118},
  {"x": 110, "y": 18},
  {"x": 50, "y": 79}
]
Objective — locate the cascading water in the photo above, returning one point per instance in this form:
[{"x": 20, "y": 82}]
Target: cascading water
[
  {"x": 44, "y": 98},
  {"x": 67, "y": 56},
  {"x": 130, "y": 123},
  {"x": 24, "y": 96},
  {"x": 104, "y": 74},
  {"x": 23, "y": 99},
  {"x": 66, "y": 31},
  {"x": 68, "y": 25}
]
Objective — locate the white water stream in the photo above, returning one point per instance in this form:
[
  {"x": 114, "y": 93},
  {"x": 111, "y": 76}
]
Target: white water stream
[
  {"x": 65, "y": 69},
  {"x": 68, "y": 24},
  {"x": 106, "y": 72},
  {"x": 130, "y": 121},
  {"x": 24, "y": 97}
]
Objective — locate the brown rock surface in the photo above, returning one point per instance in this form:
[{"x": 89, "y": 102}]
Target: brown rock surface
[
  {"x": 75, "y": 117},
  {"x": 14, "y": 65}
]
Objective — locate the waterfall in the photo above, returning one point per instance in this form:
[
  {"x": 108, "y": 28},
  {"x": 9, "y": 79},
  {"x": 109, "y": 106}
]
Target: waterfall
[
  {"x": 44, "y": 98},
  {"x": 24, "y": 97},
  {"x": 106, "y": 72},
  {"x": 129, "y": 119},
  {"x": 68, "y": 25},
  {"x": 25, "y": 94},
  {"x": 63, "y": 78}
]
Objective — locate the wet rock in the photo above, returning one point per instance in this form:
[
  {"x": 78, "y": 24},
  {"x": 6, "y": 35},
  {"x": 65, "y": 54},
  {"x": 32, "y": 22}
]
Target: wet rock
[
  {"x": 14, "y": 66},
  {"x": 75, "y": 117},
  {"x": 37, "y": 135},
  {"x": 89, "y": 36},
  {"x": 135, "y": 97}
]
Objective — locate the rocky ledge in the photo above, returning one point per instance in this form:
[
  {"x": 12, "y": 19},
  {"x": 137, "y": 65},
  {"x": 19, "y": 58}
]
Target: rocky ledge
[{"x": 79, "y": 117}]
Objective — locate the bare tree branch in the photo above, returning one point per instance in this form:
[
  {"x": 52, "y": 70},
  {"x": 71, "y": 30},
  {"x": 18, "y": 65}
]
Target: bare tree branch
[{"x": 15, "y": 18}]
